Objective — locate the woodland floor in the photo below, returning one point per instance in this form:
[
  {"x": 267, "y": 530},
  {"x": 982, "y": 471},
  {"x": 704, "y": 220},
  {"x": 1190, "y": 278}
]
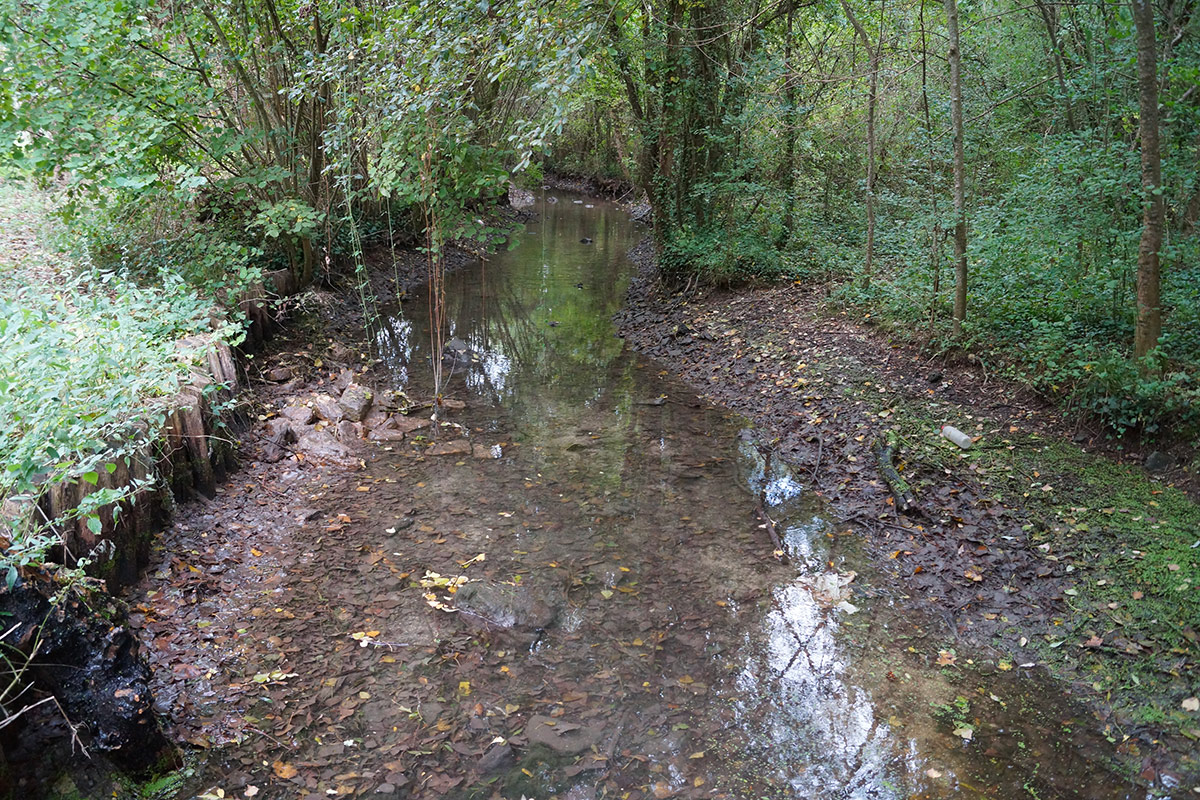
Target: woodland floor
[
  {"x": 256, "y": 606},
  {"x": 1045, "y": 541}
]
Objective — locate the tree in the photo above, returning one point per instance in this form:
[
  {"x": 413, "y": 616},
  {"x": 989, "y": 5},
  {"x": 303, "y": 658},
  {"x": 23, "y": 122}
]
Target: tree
[
  {"x": 1149, "y": 312},
  {"x": 873, "y": 51},
  {"x": 960, "y": 169}
]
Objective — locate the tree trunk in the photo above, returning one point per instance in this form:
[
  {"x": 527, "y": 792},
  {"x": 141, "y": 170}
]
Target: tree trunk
[
  {"x": 789, "y": 155},
  {"x": 872, "y": 93},
  {"x": 1048, "y": 17},
  {"x": 1149, "y": 314},
  {"x": 960, "y": 170}
]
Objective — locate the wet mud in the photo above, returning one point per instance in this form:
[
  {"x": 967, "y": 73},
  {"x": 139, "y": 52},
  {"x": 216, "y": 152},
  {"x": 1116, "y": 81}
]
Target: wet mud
[{"x": 581, "y": 601}]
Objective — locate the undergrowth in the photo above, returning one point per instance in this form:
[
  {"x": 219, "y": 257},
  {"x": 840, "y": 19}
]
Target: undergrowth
[{"x": 88, "y": 361}]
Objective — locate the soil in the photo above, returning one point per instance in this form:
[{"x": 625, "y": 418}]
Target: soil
[
  {"x": 293, "y": 658},
  {"x": 828, "y": 387}
]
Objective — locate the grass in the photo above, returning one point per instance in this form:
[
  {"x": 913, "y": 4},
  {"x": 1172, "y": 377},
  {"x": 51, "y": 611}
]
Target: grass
[{"x": 1132, "y": 549}]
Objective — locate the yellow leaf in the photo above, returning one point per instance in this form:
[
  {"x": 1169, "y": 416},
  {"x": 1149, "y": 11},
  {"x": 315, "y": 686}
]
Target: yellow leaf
[
  {"x": 284, "y": 770},
  {"x": 464, "y": 688},
  {"x": 698, "y": 754}
]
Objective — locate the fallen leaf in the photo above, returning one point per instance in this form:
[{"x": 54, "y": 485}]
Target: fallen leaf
[
  {"x": 965, "y": 732},
  {"x": 946, "y": 658},
  {"x": 1095, "y": 641},
  {"x": 284, "y": 770},
  {"x": 1191, "y": 704},
  {"x": 933, "y": 773}
]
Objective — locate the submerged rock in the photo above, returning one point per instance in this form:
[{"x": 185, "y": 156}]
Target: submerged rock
[
  {"x": 456, "y": 447},
  {"x": 504, "y": 606},
  {"x": 564, "y": 737}
]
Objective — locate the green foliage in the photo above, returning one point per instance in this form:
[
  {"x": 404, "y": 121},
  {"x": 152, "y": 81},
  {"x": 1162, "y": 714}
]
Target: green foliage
[{"x": 88, "y": 363}]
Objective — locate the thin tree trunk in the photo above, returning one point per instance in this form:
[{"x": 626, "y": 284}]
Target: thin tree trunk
[
  {"x": 1056, "y": 52},
  {"x": 872, "y": 90},
  {"x": 960, "y": 170},
  {"x": 935, "y": 244},
  {"x": 789, "y": 156},
  {"x": 1149, "y": 312}
]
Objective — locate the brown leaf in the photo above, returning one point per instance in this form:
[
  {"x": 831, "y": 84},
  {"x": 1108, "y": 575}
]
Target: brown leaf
[{"x": 284, "y": 770}]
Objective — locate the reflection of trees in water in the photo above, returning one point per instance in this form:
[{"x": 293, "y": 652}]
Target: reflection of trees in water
[
  {"x": 551, "y": 380},
  {"x": 821, "y": 730}
]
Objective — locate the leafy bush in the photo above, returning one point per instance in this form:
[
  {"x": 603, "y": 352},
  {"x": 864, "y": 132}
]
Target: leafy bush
[{"x": 87, "y": 360}]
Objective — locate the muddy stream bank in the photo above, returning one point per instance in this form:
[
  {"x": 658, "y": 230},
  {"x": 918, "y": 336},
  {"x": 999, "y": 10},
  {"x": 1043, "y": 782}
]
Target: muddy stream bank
[{"x": 621, "y": 626}]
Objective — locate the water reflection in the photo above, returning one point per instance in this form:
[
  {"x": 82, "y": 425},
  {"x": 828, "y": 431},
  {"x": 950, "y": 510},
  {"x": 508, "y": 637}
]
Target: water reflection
[
  {"x": 537, "y": 324},
  {"x": 634, "y": 490}
]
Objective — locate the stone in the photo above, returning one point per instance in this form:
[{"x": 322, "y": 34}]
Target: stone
[
  {"x": 482, "y": 451},
  {"x": 280, "y": 427},
  {"x": 408, "y": 424},
  {"x": 279, "y": 375},
  {"x": 561, "y": 736},
  {"x": 1158, "y": 461},
  {"x": 355, "y": 402},
  {"x": 344, "y": 379},
  {"x": 377, "y": 418},
  {"x": 328, "y": 408},
  {"x": 321, "y": 446},
  {"x": 349, "y": 432},
  {"x": 453, "y": 405},
  {"x": 386, "y": 435},
  {"x": 304, "y": 415},
  {"x": 498, "y": 758},
  {"x": 505, "y": 606},
  {"x": 279, "y": 436},
  {"x": 456, "y": 447}
]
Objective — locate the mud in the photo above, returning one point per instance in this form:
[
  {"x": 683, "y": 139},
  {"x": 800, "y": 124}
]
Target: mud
[{"x": 631, "y": 630}]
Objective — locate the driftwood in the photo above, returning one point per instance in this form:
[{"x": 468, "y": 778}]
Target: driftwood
[{"x": 885, "y": 448}]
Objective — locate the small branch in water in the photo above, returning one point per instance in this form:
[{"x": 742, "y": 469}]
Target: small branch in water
[
  {"x": 769, "y": 524},
  {"x": 269, "y": 736}
]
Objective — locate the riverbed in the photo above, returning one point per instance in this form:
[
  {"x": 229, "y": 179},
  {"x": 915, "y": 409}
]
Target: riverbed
[{"x": 583, "y": 600}]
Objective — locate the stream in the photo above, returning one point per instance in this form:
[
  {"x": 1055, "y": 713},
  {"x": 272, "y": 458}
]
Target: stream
[{"x": 621, "y": 625}]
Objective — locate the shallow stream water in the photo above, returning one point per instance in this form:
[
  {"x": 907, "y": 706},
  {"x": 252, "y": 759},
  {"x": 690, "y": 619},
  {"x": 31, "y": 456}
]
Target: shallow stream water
[
  {"x": 709, "y": 665},
  {"x": 654, "y": 644}
]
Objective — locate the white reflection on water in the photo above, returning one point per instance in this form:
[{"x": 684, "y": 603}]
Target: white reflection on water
[
  {"x": 817, "y": 726},
  {"x": 821, "y": 728}
]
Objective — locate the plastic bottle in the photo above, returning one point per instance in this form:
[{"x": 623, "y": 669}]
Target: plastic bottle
[{"x": 956, "y": 436}]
